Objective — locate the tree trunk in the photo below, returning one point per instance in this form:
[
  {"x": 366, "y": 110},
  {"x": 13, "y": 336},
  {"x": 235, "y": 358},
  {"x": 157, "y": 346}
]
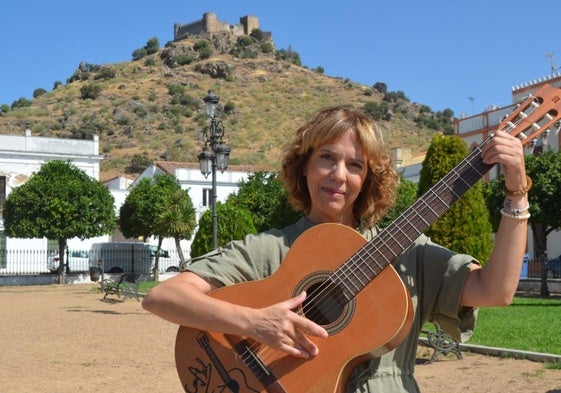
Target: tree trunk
[
  {"x": 157, "y": 259},
  {"x": 179, "y": 252},
  {"x": 540, "y": 253},
  {"x": 62, "y": 261}
]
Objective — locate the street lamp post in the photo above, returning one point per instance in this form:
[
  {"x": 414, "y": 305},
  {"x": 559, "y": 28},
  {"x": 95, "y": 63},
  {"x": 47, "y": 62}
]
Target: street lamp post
[{"x": 215, "y": 155}]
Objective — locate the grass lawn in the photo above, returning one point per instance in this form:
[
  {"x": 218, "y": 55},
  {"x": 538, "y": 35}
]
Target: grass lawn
[{"x": 528, "y": 324}]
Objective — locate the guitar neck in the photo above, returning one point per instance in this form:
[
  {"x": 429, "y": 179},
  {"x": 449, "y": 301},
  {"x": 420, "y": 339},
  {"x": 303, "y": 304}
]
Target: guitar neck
[
  {"x": 382, "y": 251},
  {"x": 432, "y": 205}
]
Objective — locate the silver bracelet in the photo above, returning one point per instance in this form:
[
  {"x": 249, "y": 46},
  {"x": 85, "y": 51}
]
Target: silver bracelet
[
  {"x": 515, "y": 212},
  {"x": 515, "y": 216}
]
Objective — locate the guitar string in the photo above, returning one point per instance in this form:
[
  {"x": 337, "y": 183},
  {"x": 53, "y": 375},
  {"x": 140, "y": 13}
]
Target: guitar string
[
  {"x": 473, "y": 175},
  {"x": 412, "y": 217},
  {"x": 328, "y": 290}
]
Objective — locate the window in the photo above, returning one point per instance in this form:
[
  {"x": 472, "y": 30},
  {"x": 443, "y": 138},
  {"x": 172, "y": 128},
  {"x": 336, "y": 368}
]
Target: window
[{"x": 207, "y": 195}]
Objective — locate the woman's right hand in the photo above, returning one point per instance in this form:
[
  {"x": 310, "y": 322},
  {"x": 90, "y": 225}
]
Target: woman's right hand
[{"x": 280, "y": 327}]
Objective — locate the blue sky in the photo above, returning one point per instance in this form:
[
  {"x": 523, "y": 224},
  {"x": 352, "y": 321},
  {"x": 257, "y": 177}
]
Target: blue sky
[{"x": 459, "y": 55}]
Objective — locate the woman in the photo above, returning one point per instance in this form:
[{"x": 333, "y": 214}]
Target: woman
[{"x": 337, "y": 171}]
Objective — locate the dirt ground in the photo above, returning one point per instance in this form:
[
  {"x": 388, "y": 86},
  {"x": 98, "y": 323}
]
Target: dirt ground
[{"x": 67, "y": 339}]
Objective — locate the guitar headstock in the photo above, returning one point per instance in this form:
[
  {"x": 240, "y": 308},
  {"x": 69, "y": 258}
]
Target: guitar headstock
[{"x": 535, "y": 116}]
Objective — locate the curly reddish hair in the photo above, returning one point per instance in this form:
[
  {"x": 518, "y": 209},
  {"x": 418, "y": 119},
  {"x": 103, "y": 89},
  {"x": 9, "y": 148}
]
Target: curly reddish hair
[{"x": 326, "y": 126}]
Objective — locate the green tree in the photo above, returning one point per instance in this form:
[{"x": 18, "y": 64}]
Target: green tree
[
  {"x": 406, "y": 195},
  {"x": 179, "y": 218},
  {"x": 136, "y": 215},
  {"x": 465, "y": 227},
  {"x": 233, "y": 224},
  {"x": 264, "y": 196},
  {"x": 21, "y": 103},
  {"x": 545, "y": 204},
  {"x": 139, "y": 162},
  {"x": 381, "y": 87},
  {"x": 59, "y": 202},
  {"x": 39, "y": 92},
  {"x": 152, "y": 46},
  {"x": 288, "y": 55},
  {"x": 158, "y": 208}
]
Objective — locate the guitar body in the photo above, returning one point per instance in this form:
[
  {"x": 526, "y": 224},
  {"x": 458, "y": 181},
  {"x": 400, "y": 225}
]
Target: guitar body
[{"x": 370, "y": 324}]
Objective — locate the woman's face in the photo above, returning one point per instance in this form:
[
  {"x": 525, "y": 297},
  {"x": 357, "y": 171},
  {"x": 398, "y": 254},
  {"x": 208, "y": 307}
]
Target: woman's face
[{"x": 335, "y": 174}]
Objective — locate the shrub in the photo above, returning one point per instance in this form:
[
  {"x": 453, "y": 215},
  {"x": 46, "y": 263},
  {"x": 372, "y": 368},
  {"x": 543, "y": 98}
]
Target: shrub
[
  {"x": 267, "y": 47},
  {"x": 150, "y": 61},
  {"x": 21, "y": 103},
  {"x": 91, "y": 91},
  {"x": 138, "y": 163},
  {"x": 394, "y": 96},
  {"x": 203, "y": 48},
  {"x": 377, "y": 111},
  {"x": 257, "y": 34},
  {"x": 138, "y": 54},
  {"x": 229, "y": 107},
  {"x": 152, "y": 46},
  {"x": 39, "y": 92},
  {"x": 174, "y": 89},
  {"x": 184, "y": 59},
  {"x": 105, "y": 72},
  {"x": 289, "y": 55},
  {"x": 380, "y": 87}
]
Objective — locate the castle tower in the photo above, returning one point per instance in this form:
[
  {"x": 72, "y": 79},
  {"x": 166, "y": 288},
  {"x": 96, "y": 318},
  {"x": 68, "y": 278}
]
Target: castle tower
[
  {"x": 210, "y": 22},
  {"x": 249, "y": 23}
]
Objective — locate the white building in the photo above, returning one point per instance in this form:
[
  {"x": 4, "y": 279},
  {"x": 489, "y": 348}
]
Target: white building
[
  {"x": 23, "y": 155},
  {"x": 199, "y": 188}
]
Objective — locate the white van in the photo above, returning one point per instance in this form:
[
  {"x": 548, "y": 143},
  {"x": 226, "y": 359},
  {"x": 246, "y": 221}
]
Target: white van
[{"x": 120, "y": 257}]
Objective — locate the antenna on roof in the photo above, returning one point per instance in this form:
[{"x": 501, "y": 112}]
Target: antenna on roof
[{"x": 551, "y": 57}]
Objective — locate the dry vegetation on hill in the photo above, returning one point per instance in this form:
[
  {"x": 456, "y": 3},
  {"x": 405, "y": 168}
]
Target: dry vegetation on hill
[{"x": 152, "y": 108}]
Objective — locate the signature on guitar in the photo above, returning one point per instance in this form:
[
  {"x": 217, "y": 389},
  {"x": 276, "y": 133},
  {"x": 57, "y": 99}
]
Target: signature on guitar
[{"x": 202, "y": 373}]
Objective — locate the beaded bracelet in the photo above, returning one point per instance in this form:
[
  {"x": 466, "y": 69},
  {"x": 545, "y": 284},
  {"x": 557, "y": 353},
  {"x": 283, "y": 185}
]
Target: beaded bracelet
[
  {"x": 515, "y": 216},
  {"x": 515, "y": 211},
  {"x": 521, "y": 191}
]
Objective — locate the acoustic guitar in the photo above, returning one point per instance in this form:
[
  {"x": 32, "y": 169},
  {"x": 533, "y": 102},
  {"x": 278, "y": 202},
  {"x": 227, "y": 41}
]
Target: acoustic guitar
[{"x": 353, "y": 290}]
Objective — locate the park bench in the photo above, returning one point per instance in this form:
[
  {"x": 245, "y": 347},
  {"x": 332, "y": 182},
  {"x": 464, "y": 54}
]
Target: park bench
[
  {"x": 441, "y": 343},
  {"x": 126, "y": 285}
]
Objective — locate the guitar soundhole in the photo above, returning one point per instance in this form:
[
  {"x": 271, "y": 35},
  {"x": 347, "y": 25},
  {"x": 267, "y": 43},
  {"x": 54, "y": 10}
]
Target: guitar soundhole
[{"x": 327, "y": 305}]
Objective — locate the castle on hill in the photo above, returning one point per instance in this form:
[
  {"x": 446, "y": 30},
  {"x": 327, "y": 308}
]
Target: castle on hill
[{"x": 209, "y": 24}]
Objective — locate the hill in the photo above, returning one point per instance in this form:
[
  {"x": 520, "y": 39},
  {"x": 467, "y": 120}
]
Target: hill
[{"x": 151, "y": 108}]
